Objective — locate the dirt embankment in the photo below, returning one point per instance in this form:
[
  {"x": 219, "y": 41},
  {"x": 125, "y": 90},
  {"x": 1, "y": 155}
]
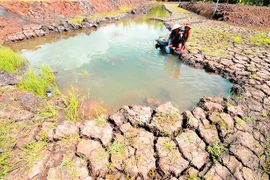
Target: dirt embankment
[
  {"x": 235, "y": 14},
  {"x": 14, "y": 16}
]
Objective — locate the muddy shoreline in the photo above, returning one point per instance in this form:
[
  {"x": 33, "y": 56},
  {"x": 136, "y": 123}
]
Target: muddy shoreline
[{"x": 223, "y": 137}]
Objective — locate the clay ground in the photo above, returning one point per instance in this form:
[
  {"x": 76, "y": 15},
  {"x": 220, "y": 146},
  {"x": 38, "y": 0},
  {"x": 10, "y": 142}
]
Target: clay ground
[{"x": 221, "y": 138}]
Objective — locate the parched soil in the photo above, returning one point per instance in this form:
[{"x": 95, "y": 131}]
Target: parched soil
[
  {"x": 15, "y": 16},
  {"x": 221, "y": 138},
  {"x": 253, "y": 16}
]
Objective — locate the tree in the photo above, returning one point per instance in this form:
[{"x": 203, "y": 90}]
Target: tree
[{"x": 266, "y": 2}]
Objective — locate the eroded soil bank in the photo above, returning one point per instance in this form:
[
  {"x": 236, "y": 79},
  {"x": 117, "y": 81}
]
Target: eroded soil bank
[
  {"x": 30, "y": 18},
  {"x": 221, "y": 138},
  {"x": 253, "y": 16}
]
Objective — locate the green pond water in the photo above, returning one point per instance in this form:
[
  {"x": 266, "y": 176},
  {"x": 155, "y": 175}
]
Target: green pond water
[{"x": 119, "y": 65}]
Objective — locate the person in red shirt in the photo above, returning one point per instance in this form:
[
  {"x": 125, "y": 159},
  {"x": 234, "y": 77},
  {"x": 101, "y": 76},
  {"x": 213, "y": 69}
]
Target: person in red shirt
[{"x": 184, "y": 38}]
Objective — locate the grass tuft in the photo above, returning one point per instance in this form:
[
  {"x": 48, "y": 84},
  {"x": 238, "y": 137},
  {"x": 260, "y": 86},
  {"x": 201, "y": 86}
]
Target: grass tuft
[
  {"x": 77, "y": 20},
  {"x": 73, "y": 105},
  {"x": 260, "y": 39},
  {"x": 38, "y": 84},
  {"x": 10, "y": 61},
  {"x": 216, "y": 150}
]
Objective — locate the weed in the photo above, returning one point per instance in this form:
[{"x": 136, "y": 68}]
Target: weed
[
  {"x": 237, "y": 39},
  {"x": 229, "y": 103},
  {"x": 260, "y": 39},
  {"x": 67, "y": 163},
  {"x": 169, "y": 146},
  {"x": 100, "y": 116},
  {"x": 250, "y": 69},
  {"x": 216, "y": 150},
  {"x": 249, "y": 118},
  {"x": 181, "y": 10},
  {"x": 193, "y": 176},
  {"x": 49, "y": 111},
  {"x": 254, "y": 76},
  {"x": 73, "y": 105},
  {"x": 77, "y": 20},
  {"x": 38, "y": 84},
  {"x": 117, "y": 148},
  {"x": 121, "y": 10},
  {"x": 264, "y": 114},
  {"x": 10, "y": 61},
  {"x": 238, "y": 120}
]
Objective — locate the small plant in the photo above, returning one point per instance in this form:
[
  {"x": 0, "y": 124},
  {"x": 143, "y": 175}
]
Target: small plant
[
  {"x": 49, "y": 111},
  {"x": 254, "y": 76},
  {"x": 67, "y": 163},
  {"x": 100, "y": 116},
  {"x": 117, "y": 148},
  {"x": 264, "y": 114},
  {"x": 193, "y": 176},
  {"x": 249, "y": 118},
  {"x": 77, "y": 20},
  {"x": 229, "y": 103},
  {"x": 10, "y": 61},
  {"x": 237, "y": 39},
  {"x": 260, "y": 39},
  {"x": 168, "y": 146},
  {"x": 216, "y": 150},
  {"x": 38, "y": 84},
  {"x": 238, "y": 120},
  {"x": 73, "y": 105},
  {"x": 250, "y": 69}
]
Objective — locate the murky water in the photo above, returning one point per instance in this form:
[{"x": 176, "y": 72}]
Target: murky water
[{"x": 119, "y": 65}]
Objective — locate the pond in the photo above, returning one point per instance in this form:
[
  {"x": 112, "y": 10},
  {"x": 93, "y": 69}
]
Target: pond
[{"x": 119, "y": 65}]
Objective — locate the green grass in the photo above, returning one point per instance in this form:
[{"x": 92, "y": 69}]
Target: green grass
[
  {"x": 49, "y": 111},
  {"x": 260, "y": 39},
  {"x": 100, "y": 117},
  {"x": 264, "y": 114},
  {"x": 73, "y": 105},
  {"x": 117, "y": 148},
  {"x": 237, "y": 39},
  {"x": 39, "y": 83},
  {"x": 10, "y": 61},
  {"x": 216, "y": 150},
  {"x": 121, "y": 10},
  {"x": 249, "y": 118},
  {"x": 77, "y": 20},
  {"x": 169, "y": 146}
]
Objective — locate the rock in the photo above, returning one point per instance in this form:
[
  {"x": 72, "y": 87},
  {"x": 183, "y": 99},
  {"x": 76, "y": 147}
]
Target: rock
[
  {"x": 190, "y": 120},
  {"x": 137, "y": 115},
  {"x": 170, "y": 160},
  {"x": 233, "y": 165},
  {"x": 47, "y": 130},
  {"x": 166, "y": 120},
  {"x": 66, "y": 129},
  {"x": 208, "y": 132},
  {"x": 245, "y": 155},
  {"x": 198, "y": 113},
  {"x": 91, "y": 129},
  {"x": 30, "y": 102},
  {"x": 235, "y": 111},
  {"x": 218, "y": 172},
  {"x": 193, "y": 148},
  {"x": 237, "y": 90},
  {"x": 22, "y": 115},
  {"x": 211, "y": 106},
  {"x": 143, "y": 142},
  {"x": 9, "y": 79},
  {"x": 39, "y": 167},
  {"x": 97, "y": 156},
  {"x": 29, "y": 34},
  {"x": 118, "y": 118}
]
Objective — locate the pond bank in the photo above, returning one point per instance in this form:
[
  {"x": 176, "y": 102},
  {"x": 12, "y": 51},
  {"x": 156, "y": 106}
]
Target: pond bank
[
  {"x": 26, "y": 20},
  {"x": 223, "y": 137}
]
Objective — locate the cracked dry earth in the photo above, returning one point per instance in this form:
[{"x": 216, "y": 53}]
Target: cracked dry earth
[{"x": 221, "y": 138}]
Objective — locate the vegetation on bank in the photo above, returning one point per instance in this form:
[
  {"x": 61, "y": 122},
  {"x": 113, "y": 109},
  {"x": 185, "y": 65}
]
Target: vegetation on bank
[
  {"x": 38, "y": 83},
  {"x": 10, "y": 61}
]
